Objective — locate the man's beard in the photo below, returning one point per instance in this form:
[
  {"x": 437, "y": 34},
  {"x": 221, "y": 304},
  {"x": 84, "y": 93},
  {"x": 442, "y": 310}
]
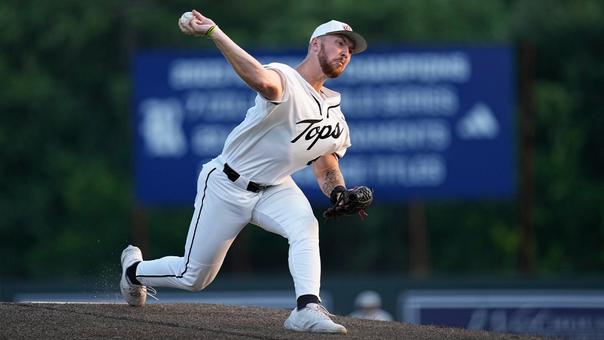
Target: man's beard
[{"x": 330, "y": 70}]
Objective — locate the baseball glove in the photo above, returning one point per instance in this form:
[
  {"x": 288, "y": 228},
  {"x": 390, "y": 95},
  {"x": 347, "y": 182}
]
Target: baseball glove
[{"x": 349, "y": 202}]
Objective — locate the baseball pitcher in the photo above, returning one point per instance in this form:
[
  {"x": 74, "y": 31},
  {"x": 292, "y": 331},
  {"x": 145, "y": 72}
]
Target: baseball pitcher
[{"x": 295, "y": 122}]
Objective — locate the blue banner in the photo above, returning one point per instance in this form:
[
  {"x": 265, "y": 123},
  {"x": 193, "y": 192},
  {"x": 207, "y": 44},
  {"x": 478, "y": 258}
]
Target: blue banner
[
  {"x": 424, "y": 122},
  {"x": 564, "y": 314}
]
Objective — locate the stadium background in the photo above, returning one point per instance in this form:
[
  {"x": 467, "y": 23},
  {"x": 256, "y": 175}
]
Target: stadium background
[{"x": 67, "y": 189}]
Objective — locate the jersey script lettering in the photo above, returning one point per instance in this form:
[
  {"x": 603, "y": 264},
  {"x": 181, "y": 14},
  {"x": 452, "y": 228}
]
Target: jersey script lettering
[{"x": 316, "y": 132}]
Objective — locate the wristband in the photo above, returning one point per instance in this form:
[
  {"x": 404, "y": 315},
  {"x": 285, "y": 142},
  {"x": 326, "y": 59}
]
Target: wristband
[{"x": 210, "y": 31}]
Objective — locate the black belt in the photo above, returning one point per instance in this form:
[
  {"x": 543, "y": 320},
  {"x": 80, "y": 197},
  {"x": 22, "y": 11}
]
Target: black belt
[{"x": 233, "y": 176}]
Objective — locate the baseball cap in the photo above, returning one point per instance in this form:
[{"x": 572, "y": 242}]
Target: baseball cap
[{"x": 338, "y": 27}]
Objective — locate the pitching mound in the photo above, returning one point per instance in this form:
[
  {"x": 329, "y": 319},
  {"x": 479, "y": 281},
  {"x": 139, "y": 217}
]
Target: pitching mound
[{"x": 199, "y": 321}]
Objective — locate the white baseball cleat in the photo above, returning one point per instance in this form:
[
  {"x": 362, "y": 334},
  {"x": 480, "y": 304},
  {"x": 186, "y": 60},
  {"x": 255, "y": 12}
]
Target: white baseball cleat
[
  {"x": 313, "y": 318},
  {"x": 135, "y": 295}
]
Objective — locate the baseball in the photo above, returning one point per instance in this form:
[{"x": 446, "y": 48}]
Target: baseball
[
  {"x": 183, "y": 22},
  {"x": 185, "y": 18}
]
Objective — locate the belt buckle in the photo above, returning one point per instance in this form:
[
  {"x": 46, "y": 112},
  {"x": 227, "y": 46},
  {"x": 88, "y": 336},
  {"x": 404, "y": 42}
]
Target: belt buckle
[{"x": 255, "y": 187}]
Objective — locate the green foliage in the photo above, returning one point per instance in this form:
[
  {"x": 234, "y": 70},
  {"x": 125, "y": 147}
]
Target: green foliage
[
  {"x": 473, "y": 237},
  {"x": 569, "y": 142},
  {"x": 66, "y": 196}
]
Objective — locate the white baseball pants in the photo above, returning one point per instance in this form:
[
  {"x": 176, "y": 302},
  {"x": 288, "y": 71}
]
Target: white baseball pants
[{"x": 222, "y": 210}]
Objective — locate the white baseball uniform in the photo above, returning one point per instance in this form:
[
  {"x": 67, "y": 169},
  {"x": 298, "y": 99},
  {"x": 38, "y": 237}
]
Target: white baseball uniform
[{"x": 250, "y": 182}]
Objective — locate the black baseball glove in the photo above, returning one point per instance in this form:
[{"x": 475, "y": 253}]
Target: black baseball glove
[{"x": 349, "y": 202}]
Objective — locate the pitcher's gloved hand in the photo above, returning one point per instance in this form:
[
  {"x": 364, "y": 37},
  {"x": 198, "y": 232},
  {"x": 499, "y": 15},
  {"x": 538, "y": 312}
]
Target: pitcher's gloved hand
[{"x": 349, "y": 201}]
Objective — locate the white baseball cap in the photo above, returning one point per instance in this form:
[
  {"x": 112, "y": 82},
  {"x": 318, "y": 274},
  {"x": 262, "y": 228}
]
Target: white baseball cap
[{"x": 338, "y": 27}]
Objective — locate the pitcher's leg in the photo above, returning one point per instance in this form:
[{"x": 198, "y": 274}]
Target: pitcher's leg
[
  {"x": 284, "y": 210},
  {"x": 216, "y": 222},
  {"x": 304, "y": 258}
]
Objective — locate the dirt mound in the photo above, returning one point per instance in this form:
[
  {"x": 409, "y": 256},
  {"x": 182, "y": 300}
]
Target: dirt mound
[{"x": 199, "y": 321}]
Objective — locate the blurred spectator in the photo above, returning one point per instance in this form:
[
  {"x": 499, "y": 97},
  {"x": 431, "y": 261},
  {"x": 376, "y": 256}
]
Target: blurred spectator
[{"x": 368, "y": 305}]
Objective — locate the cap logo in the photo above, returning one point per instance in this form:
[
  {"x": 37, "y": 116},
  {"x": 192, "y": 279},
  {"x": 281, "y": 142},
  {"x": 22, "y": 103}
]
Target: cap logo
[{"x": 346, "y": 27}]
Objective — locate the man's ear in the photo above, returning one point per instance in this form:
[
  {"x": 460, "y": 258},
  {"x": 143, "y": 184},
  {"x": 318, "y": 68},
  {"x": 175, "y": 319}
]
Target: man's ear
[{"x": 315, "y": 44}]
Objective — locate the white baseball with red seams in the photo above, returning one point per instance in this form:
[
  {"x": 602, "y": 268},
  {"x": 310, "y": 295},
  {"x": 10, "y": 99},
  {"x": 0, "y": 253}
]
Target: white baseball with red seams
[{"x": 274, "y": 140}]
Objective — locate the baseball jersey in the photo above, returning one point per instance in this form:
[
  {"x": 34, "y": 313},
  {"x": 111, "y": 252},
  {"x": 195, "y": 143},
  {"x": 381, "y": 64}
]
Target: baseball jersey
[{"x": 278, "y": 138}]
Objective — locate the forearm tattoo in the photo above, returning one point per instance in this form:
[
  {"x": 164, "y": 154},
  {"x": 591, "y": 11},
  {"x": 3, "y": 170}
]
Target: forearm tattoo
[{"x": 331, "y": 179}]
